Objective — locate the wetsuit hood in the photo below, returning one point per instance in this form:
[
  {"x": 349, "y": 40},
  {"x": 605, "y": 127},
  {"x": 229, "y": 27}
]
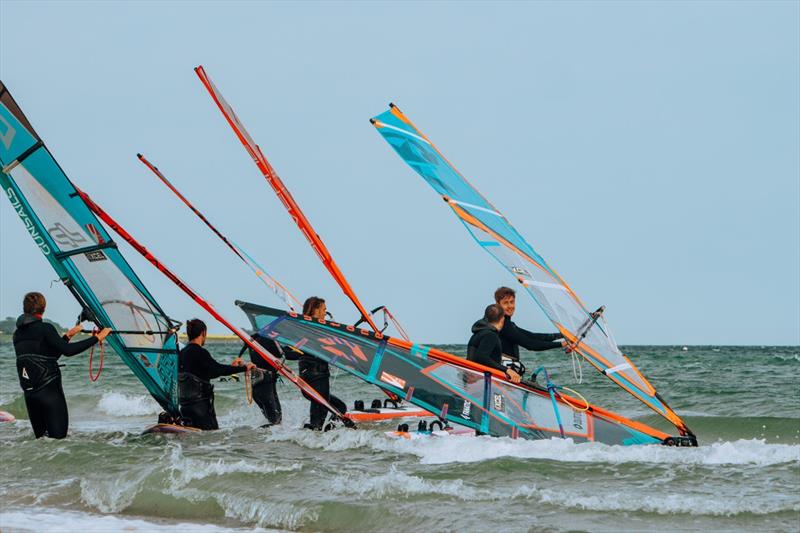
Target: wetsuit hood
[
  {"x": 26, "y": 319},
  {"x": 481, "y": 325}
]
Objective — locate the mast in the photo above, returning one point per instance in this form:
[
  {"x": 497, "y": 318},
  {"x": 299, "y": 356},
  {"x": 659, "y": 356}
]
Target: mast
[
  {"x": 278, "y": 288},
  {"x": 285, "y": 196}
]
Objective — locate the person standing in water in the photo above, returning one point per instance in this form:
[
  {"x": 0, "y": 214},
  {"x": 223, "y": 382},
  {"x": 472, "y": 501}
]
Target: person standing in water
[
  {"x": 196, "y": 369},
  {"x": 316, "y": 372},
  {"x": 513, "y": 336},
  {"x": 265, "y": 391},
  {"x": 38, "y": 347},
  {"x": 484, "y": 347}
]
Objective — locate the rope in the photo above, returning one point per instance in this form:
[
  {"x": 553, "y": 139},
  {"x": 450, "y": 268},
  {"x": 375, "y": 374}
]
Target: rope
[
  {"x": 248, "y": 387},
  {"x": 577, "y": 368},
  {"x": 102, "y": 360},
  {"x": 576, "y": 393}
]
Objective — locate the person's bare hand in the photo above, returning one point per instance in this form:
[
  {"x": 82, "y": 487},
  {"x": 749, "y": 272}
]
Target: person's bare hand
[
  {"x": 237, "y": 362},
  {"x": 74, "y": 331},
  {"x": 250, "y": 366},
  {"x": 513, "y": 376},
  {"x": 103, "y": 333}
]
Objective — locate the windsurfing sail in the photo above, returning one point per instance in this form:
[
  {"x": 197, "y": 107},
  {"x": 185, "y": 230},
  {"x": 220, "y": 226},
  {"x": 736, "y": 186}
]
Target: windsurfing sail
[
  {"x": 280, "y": 291},
  {"x": 451, "y": 388},
  {"x": 274, "y": 361},
  {"x": 288, "y": 201},
  {"x": 585, "y": 330},
  {"x": 85, "y": 257}
]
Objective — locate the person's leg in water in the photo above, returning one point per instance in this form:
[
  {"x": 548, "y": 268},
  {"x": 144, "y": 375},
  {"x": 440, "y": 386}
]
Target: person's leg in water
[
  {"x": 265, "y": 394},
  {"x": 200, "y": 415},
  {"x": 47, "y": 410},
  {"x": 317, "y": 412}
]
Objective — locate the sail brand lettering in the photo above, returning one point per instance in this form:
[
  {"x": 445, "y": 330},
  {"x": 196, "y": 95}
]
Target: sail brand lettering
[
  {"x": 37, "y": 237},
  {"x": 65, "y": 237},
  {"x": 498, "y": 402},
  {"x": 577, "y": 420},
  {"x": 7, "y": 136},
  {"x": 466, "y": 410}
]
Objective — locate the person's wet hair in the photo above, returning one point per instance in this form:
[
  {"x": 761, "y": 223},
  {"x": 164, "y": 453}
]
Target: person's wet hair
[
  {"x": 312, "y": 304},
  {"x": 33, "y": 303},
  {"x": 502, "y": 293},
  {"x": 493, "y": 313},
  {"x": 194, "y": 328}
]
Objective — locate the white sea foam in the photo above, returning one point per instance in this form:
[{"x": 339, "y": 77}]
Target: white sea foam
[
  {"x": 118, "y": 404},
  {"x": 35, "y": 519},
  {"x": 466, "y": 449}
]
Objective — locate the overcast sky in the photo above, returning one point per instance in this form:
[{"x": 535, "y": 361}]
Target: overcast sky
[{"x": 648, "y": 151}]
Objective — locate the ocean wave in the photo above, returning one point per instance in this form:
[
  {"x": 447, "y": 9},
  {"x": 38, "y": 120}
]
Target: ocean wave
[
  {"x": 663, "y": 504},
  {"x": 183, "y": 469},
  {"x": 34, "y": 519},
  {"x": 394, "y": 484},
  {"x": 118, "y": 404},
  {"x": 113, "y": 493}
]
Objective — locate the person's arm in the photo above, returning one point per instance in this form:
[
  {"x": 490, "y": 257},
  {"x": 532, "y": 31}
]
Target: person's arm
[
  {"x": 213, "y": 369},
  {"x": 62, "y": 346},
  {"x": 537, "y": 342}
]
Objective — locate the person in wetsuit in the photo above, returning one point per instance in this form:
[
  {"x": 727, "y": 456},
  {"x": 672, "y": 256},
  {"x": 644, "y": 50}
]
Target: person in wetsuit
[
  {"x": 38, "y": 347},
  {"x": 513, "y": 336},
  {"x": 316, "y": 372},
  {"x": 196, "y": 369},
  {"x": 265, "y": 391},
  {"x": 485, "y": 347}
]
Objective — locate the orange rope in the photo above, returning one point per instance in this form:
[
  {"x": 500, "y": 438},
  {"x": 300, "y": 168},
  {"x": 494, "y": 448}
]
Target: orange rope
[{"x": 102, "y": 360}]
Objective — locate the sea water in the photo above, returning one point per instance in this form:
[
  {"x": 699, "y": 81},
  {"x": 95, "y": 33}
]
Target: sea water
[{"x": 742, "y": 402}]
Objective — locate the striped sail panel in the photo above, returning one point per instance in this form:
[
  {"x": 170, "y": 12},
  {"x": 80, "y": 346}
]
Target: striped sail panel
[
  {"x": 85, "y": 257},
  {"x": 460, "y": 395},
  {"x": 495, "y": 234}
]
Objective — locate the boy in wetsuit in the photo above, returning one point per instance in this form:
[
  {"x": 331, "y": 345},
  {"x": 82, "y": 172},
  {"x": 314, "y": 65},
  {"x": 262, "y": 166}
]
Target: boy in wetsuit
[
  {"x": 484, "y": 347},
  {"x": 196, "y": 369},
  {"x": 513, "y": 336},
  {"x": 38, "y": 347}
]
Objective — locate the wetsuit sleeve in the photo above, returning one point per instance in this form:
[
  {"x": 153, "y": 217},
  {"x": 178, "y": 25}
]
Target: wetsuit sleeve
[
  {"x": 62, "y": 346},
  {"x": 485, "y": 346},
  {"x": 212, "y": 369},
  {"x": 537, "y": 342}
]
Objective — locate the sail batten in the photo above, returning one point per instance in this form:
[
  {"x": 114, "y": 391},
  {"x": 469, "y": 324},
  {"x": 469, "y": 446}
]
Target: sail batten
[{"x": 495, "y": 234}]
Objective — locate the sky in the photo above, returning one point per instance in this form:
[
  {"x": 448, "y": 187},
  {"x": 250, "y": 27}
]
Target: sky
[{"x": 648, "y": 151}]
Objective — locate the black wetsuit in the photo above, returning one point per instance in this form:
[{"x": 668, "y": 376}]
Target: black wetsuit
[
  {"x": 513, "y": 336},
  {"x": 484, "y": 346},
  {"x": 38, "y": 347},
  {"x": 316, "y": 373},
  {"x": 196, "y": 369},
  {"x": 265, "y": 391}
]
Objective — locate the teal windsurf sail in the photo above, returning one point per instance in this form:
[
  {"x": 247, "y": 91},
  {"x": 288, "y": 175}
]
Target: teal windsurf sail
[
  {"x": 85, "y": 257},
  {"x": 585, "y": 330}
]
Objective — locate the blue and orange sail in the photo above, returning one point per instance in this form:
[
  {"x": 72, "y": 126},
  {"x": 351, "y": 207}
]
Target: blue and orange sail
[
  {"x": 586, "y": 331},
  {"x": 85, "y": 257}
]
